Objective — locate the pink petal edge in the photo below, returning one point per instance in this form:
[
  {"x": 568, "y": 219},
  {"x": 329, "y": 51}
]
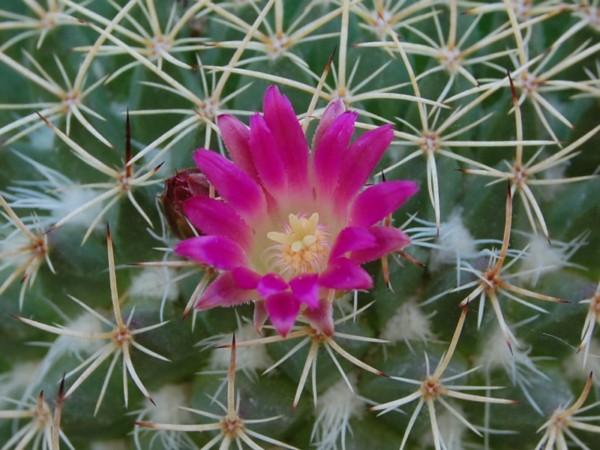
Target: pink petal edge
[
  {"x": 376, "y": 202},
  {"x": 213, "y": 217},
  {"x": 288, "y": 135},
  {"x": 236, "y": 187},
  {"x": 224, "y": 292},
  {"x": 321, "y": 317},
  {"x": 283, "y": 308},
  {"x": 306, "y": 288},
  {"x": 360, "y": 160},
  {"x": 267, "y": 156},
  {"x": 271, "y": 283},
  {"x": 333, "y": 110},
  {"x": 388, "y": 239},
  {"x": 345, "y": 275},
  {"x": 236, "y": 136},
  {"x": 245, "y": 278},
  {"x": 352, "y": 239},
  {"x": 330, "y": 151},
  {"x": 215, "y": 251}
]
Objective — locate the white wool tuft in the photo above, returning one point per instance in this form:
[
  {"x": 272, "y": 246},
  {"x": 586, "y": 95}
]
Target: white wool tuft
[
  {"x": 154, "y": 283},
  {"x": 168, "y": 401},
  {"x": 248, "y": 359},
  {"x": 576, "y": 370},
  {"x": 544, "y": 257},
  {"x": 455, "y": 243},
  {"x": 20, "y": 376},
  {"x": 408, "y": 324},
  {"x": 451, "y": 430},
  {"x": 335, "y": 408}
]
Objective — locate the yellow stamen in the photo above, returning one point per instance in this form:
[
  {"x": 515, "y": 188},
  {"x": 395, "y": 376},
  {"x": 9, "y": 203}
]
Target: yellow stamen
[{"x": 303, "y": 247}]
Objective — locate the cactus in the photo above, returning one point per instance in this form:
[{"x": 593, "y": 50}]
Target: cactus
[{"x": 173, "y": 279}]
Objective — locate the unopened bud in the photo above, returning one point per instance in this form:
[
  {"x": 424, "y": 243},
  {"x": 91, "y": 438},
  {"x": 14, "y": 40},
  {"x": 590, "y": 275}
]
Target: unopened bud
[{"x": 184, "y": 184}]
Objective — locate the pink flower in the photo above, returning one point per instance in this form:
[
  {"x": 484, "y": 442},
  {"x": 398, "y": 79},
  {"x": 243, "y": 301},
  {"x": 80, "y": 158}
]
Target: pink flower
[{"x": 291, "y": 227}]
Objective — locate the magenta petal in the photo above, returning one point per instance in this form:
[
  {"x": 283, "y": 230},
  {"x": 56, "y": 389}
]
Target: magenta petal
[
  {"x": 321, "y": 317},
  {"x": 329, "y": 154},
  {"x": 236, "y": 136},
  {"x": 212, "y": 216},
  {"x": 351, "y": 239},
  {"x": 245, "y": 278},
  {"x": 360, "y": 160},
  {"x": 345, "y": 275},
  {"x": 376, "y": 202},
  {"x": 289, "y": 137},
  {"x": 238, "y": 189},
  {"x": 271, "y": 283},
  {"x": 283, "y": 308},
  {"x": 306, "y": 288},
  {"x": 334, "y": 109},
  {"x": 224, "y": 292},
  {"x": 215, "y": 251},
  {"x": 389, "y": 239},
  {"x": 267, "y": 156}
]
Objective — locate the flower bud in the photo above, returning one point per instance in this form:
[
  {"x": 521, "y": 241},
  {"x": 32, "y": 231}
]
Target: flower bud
[{"x": 184, "y": 184}]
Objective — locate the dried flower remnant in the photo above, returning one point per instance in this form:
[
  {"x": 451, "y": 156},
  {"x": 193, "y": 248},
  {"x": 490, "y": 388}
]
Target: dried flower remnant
[{"x": 290, "y": 227}]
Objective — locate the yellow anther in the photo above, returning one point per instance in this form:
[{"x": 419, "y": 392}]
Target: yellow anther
[
  {"x": 309, "y": 240},
  {"x": 302, "y": 248},
  {"x": 280, "y": 238}
]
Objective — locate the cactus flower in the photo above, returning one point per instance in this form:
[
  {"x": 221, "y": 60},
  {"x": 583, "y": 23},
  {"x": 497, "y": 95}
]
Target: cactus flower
[{"x": 291, "y": 227}]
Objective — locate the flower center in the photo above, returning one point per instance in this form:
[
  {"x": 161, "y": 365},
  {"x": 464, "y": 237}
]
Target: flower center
[{"x": 303, "y": 247}]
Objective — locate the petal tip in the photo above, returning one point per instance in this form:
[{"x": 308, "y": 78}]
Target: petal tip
[{"x": 283, "y": 308}]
